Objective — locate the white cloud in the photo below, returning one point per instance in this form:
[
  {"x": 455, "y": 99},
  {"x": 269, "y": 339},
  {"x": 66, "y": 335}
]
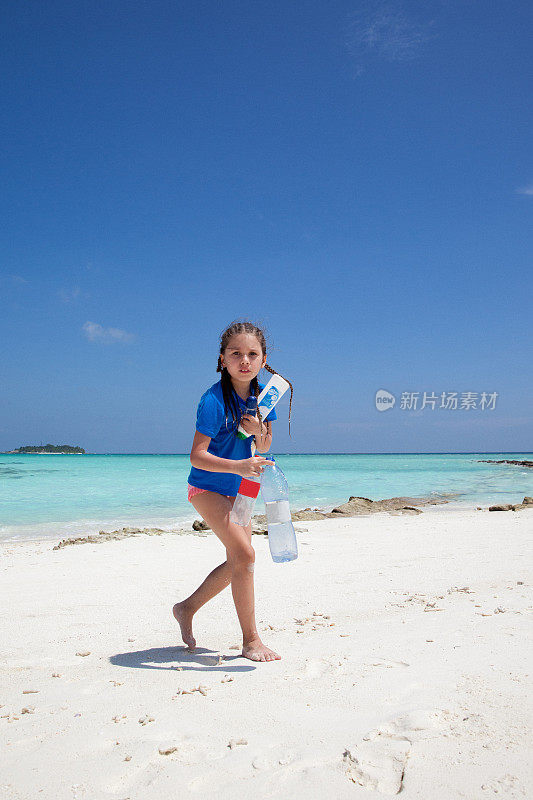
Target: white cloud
[
  {"x": 68, "y": 295},
  {"x": 96, "y": 333},
  {"x": 526, "y": 189},
  {"x": 387, "y": 32},
  {"x": 13, "y": 279}
]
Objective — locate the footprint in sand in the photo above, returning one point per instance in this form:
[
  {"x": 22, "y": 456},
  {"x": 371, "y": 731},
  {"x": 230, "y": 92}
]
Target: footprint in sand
[
  {"x": 315, "y": 668},
  {"x": 379, "y": 761},
  {"x": 379, "y": 766},
  {"x": 138, "y": 772},
  {"x": 149, "y": 763}
]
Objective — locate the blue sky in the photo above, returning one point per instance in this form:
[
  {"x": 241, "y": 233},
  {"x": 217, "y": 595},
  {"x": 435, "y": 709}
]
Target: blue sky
[{"x": 357, "y": 177}]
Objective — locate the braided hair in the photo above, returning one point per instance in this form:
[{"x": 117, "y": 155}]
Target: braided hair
[{"x": 227, "y": 387}]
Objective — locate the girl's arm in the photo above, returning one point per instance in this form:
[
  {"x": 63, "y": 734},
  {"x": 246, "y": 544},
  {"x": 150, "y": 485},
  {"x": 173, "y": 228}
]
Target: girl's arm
[{"x": 201, "y": 459}]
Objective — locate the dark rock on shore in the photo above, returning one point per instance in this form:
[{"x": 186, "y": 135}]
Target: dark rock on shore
[
  {"x": 527, "y": 502},
  {"x": 362, "y": 505},
  {"x": 355, "y": 506},
  {"x": 507, "y": 461},
  {"x": 123, "y": 533},
  {"x": 200, "y": 525}
]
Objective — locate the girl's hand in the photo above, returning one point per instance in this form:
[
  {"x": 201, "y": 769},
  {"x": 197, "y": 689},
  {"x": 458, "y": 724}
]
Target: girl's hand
[
  {"x": 252, "y": 425},
  {"x": 252, "y": 467}
]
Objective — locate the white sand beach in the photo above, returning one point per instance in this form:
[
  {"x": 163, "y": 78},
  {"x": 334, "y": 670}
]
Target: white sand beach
[{"x": 406, "y": 666}]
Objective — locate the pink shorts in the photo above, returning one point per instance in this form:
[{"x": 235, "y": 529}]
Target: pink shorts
[{"x": 192, "y": 490}]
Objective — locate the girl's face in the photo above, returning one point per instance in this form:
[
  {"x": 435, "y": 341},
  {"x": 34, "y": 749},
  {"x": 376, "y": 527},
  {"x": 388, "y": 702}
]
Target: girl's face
[{"x": 243, "y": 357}]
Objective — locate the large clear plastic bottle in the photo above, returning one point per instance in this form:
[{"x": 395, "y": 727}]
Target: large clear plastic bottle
[{"x": 275, "y": 493}]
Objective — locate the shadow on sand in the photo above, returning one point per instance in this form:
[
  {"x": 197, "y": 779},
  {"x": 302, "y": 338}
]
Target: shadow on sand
[{"x": 198, "y": 660}]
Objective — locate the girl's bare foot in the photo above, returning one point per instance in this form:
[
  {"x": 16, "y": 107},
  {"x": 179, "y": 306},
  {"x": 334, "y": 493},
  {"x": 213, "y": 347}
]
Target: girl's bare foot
[
  {"x": 257, "y": 651},
  {"x": 184, "y": 617}
]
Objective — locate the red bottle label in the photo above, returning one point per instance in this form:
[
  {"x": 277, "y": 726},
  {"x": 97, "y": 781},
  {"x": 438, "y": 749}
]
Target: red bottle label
[{"x": 249, "y": 488}]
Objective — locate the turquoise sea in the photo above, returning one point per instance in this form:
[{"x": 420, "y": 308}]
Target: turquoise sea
[{"x": 54, "y": 496}]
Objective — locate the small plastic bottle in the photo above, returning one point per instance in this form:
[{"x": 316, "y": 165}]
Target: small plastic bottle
[
  {"x": 250, "y": 411},
  {"x": 268, "y": 399},
  {"x": 275, "y": 493},
  {"x": 243, "y": 507}
]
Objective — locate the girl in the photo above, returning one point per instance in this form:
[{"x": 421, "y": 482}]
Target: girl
[{"x": 219, "y": 460}]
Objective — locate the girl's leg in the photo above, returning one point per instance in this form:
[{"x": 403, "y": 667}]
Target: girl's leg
[
  {"x": 216, "y": 581},
  {"x": 215, "y": 510}
]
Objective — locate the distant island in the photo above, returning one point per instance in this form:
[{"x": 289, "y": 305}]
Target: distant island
[{"x": 41, "y": 449}]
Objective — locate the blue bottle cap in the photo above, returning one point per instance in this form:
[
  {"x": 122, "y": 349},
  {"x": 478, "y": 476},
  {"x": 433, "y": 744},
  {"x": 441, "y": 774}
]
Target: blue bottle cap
[{"x": 251, "y": 405}]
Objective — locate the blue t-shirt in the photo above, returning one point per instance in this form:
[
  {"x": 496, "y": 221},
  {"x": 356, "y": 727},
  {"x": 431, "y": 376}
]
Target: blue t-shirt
[{"x": 212, "y": 420}]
